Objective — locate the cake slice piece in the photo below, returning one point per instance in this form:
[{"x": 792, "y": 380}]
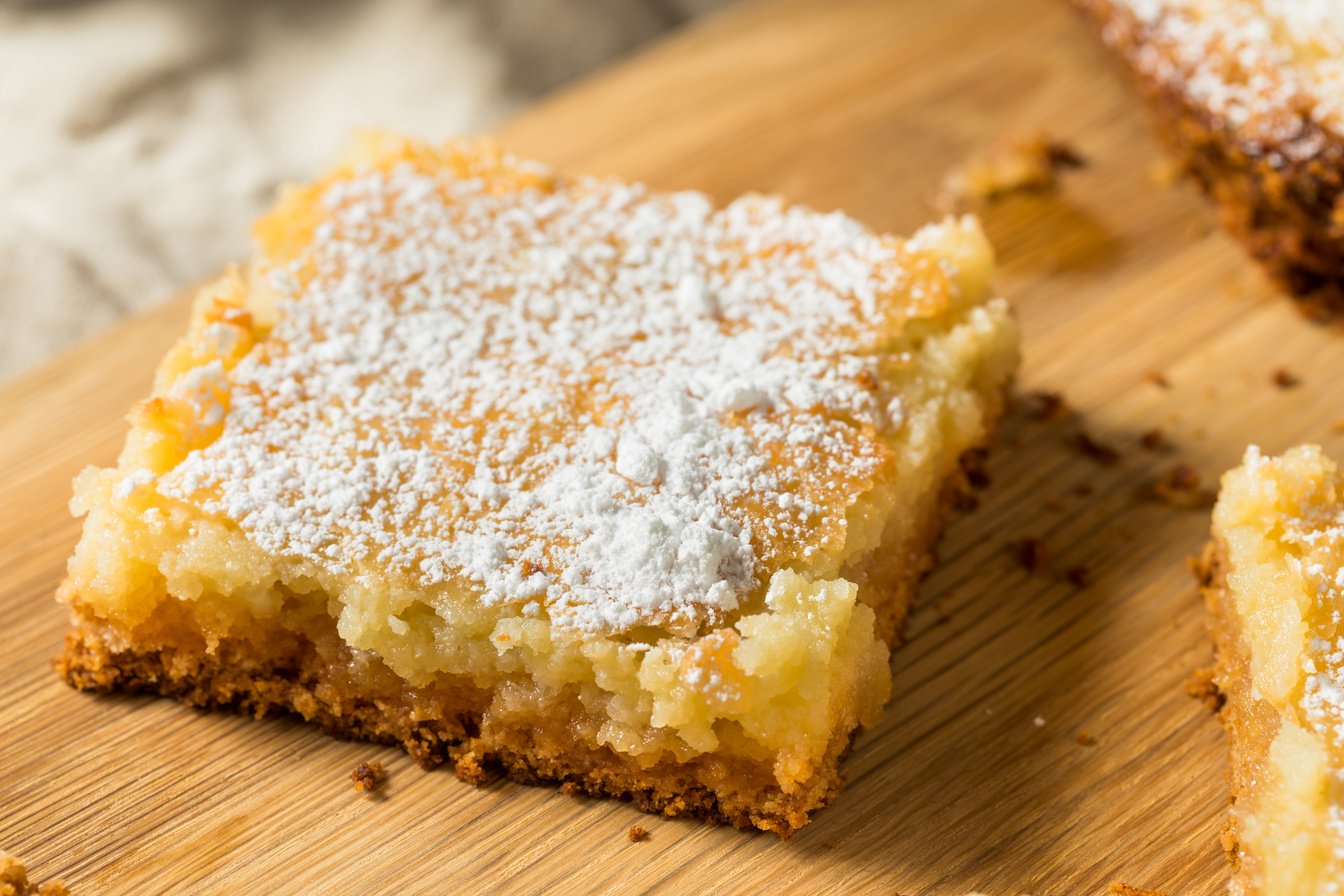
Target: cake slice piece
[
  {"x": 590, "y": 483},
  {"x": 1249, "y": 94},
  {"x": 1274, "y": 581}
]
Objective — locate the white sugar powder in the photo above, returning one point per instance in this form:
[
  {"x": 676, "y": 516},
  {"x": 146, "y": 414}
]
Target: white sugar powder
[
  {"x": 1260, "y": 63},
  {"x": 568, "y": 399}
]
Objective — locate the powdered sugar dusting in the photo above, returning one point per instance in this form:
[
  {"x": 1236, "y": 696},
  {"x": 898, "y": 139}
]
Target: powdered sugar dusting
[
  {"x": 623, "y": 406},
  {"x": 1319, "y": 533},
  {"x": 1261, "y": 65},
  {"x": 133, "y": 482}
]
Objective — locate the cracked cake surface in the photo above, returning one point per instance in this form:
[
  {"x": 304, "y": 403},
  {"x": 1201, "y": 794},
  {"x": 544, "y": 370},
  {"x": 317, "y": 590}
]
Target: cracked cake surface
[{"x": 592, "y": 482}]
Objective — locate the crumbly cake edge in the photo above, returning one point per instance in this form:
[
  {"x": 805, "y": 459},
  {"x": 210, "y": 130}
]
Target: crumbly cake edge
[
  {"x": 90, "y": 663},
  {"x": 14, "y": 880},
  {"x": 1282, "y": 208},
  {"x": 1231, "y": 674},
  {"x": 529, "y": 756}
]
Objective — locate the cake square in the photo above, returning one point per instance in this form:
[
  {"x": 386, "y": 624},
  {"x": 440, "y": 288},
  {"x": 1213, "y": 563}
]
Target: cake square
[
  {"x": 1249, "y": 95},
  {"x": 1273, "y": 577},
  {"x": 566, "y": 477}
]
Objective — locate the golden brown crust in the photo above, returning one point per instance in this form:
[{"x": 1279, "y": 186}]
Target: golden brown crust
[
  {"x": 447, "y": 723},
  {"x": 1282, "y": 197},
  {"x": 1250, "y": 723}
]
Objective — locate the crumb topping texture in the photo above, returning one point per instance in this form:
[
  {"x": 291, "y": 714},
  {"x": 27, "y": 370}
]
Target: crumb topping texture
[
  {"x": 1261, "y": 65},
  {"x": 582, "y": 398}
]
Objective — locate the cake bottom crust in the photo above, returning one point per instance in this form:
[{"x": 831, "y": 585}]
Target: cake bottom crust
[
  {"x": 1251, "y": 724},
  {"x": 532, "y": 739},
  {"x": 453, "y": 721}
]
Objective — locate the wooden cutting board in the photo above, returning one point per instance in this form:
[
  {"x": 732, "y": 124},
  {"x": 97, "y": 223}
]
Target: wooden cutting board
[{"x": 976, "y": 779}]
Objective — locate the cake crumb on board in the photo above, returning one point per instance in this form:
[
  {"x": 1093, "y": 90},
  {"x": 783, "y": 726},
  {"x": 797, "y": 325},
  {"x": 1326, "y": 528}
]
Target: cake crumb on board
[
  {"x": 1047, "y": 406},
  {"x": 1285, "y": 378},
  {"x": 1155, "y": 440},
  {"x": 1024, "y": 162},
  {"x": 14, "y": 880},
  {"x": 1158, "y": 379},
  {"x": 1202, "y": 686},
  {"x": 1033, "y": 555},
  {"x": 973, "y": 466},
  {"x": 1098, "y": 451},
  {"x": 368, "y": 776},
  {"x": 637, "y": 834},
  {"x": 1179, "y": 487}
]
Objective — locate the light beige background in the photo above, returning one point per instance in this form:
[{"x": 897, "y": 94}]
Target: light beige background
[{"x": 139, "y": 139}]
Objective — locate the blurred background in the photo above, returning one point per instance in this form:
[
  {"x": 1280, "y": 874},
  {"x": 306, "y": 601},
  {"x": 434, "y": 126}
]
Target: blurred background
[{"x": 140, "y": 138}]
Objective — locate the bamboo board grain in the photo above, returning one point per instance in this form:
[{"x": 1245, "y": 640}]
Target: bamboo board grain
[{"x": 854, "y": 104}]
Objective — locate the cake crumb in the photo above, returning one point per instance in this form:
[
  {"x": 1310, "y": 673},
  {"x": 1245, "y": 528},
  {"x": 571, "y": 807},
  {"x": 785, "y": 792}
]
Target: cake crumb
[
  {"x": 1158, "y": 379},
  {"x": 1182, "y": 477},
  {"x": 973, "y": 466},
  {"x": 1098, "y": 451},
  {"x": 469, "y": 770},
  {"x": 1047, "y": 407},
  {"x": 964, "y": 502},
  {"x": 14, "y": 880},
  {"x": 1123, "y": 889},
  {"x": 1033, "y": 555},
  {"x": 1084, "y": 739},
  {"x": 637, "y": 834},
  {"x": 1026, "y": 162},
  {"x": 1179, "y": 487},
  {"x": 368, "y": 776},
  {"x": 1227, "y": 838},
  {"x": 569, "y": 788},
  {"x": 1078, "y": 576},
  {"x": 1039, "y": 721},
  {"x": 1285, "y": 378},
  {"x": 1202, "y": 686},
  {"x": 1155, "y": 440},
  {"x": 831, "y": 844}
]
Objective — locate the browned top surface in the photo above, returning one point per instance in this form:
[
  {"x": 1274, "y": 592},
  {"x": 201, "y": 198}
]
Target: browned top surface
[{"x": 860, "y": 104}]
